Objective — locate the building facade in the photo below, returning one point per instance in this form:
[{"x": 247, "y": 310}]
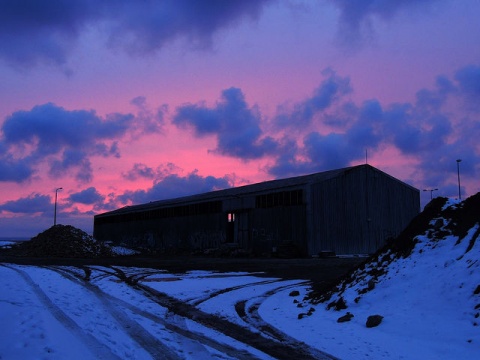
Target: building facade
[{"x": 351, "y": 210}]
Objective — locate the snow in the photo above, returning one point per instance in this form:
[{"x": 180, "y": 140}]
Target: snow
[
  {"x": 429, "y": 302},
  {"x": 120, "y": 250},
  {"x": 7, "y": 243}
]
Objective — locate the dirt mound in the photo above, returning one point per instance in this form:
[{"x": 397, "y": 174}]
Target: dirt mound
[
  {"x": 439, "y": 220},
  {"x": 62, "y": 241}
]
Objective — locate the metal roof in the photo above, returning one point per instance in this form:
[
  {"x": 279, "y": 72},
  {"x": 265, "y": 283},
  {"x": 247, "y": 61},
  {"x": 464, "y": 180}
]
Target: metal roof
[{"x": 241, "y": 190}]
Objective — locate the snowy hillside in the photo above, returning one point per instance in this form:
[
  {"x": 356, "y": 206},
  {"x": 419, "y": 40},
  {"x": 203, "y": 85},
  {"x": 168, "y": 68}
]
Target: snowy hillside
[{"x": 425, "y": 287}]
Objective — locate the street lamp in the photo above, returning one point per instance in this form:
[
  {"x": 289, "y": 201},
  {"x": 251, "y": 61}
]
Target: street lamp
[
  {"x": 55, "y": 213},
  {"x": 458, "y": 174},
  {"x": 431, "y": 192}
]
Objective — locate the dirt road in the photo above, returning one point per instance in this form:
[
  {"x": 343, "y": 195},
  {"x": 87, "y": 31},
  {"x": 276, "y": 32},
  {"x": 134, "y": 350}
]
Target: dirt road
[{"x": 315, "y": 269}]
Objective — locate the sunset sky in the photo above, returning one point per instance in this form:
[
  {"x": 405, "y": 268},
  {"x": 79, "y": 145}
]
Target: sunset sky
[{"x": 122, "y": 102}]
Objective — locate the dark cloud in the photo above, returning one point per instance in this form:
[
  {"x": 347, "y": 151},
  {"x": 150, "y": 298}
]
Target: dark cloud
[
  {"x": 287, "y": 162},
  {"x": 147, "y": 121},
  {"x": 148, "y": 26},
  {"x": 425, "y": 125},
  {"x": 88, "y": 196},
  {"x": 48, "y": 130},
  {"x": 435, "y": 140},
  {"x": 236, "y": 126},
  {"x": 53, "y": 128},
  {"x": 438, "y": 168},
  {"x": 72, "y": 158},
  {"x": 341, "y": 116},
  {"x": 432, "y": 101},
  {"x": 15, "y": 170},
  {"x": 314, "y": 156},
  {"x": 354, "y": 12},
  {"x": 106, "y": 151},
  {"x": 434, "y": 130},
  {"x": 34, "y": 203},
  {"x": 468, "y": 79},
  {"x": 287, "y": 165},
  {"x": 33, "y": 32},
  {"x": 356, "y": 16},
  {"x": 142, "y": 171},
  {"x": 172, "y": 186},
  {"x": 332, "y": 88},
  {"x": 328, "y": 151},
  {"x": 359, "y": 128}
]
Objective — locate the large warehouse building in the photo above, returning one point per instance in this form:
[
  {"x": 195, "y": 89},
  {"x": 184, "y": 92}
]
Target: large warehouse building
[{"x": 352, "y": 210}]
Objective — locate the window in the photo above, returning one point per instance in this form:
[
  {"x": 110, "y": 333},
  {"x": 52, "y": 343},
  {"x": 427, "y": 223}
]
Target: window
[
  {"x": 283, "y": 198},
  {"x": 210, "y": 207}
]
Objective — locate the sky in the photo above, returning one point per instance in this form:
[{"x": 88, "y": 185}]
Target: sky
[
  {"x": 125, "y": 102},
  {"x": 429, "y": 301}
]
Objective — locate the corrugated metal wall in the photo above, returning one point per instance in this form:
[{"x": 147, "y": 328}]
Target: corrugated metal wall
[
  {"x": 202, "y": 231},
  {"x": 275, "y": 227},
  {"x": 356, "y": 212}
]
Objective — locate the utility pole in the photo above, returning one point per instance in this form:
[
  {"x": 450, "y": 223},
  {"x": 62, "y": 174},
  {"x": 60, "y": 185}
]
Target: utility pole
[
  {"x": 458, "y": 174},
  {"x": 55, "y": 212},
  {"x": 431, "y": 192}
]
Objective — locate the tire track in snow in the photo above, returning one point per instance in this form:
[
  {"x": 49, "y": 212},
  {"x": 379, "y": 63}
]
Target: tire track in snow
[
  {"x": 99, "y": 350},
  {"x": 271, "y": 342},
  {"x": 251, "y": 316},
  {"x": 110, "y": 301},
  {"x": 142, "y": 337},
  {"x": 294, "y": 349},
  {"x": 200, "y": 300}
]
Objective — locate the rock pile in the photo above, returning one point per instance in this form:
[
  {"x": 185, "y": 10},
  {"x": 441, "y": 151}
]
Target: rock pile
[{"x": 62, "y": 241}]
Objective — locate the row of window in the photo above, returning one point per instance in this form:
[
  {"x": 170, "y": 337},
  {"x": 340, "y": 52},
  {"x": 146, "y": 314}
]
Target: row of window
[
  {"x": 210, "y": 207},
  {"x": 283, "y": 198}
]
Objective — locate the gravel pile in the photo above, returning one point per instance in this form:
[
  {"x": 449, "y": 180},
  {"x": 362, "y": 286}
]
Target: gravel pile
[{"x": 62, "y": 241}]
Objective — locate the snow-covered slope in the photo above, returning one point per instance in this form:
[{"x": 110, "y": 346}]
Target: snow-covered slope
[{"x": 425, "y": 285}]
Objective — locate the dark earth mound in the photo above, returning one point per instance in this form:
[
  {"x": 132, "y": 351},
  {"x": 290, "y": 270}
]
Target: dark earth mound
[
  {"x": 60, "y": 241},
  {"x": 69, "y": 246}
]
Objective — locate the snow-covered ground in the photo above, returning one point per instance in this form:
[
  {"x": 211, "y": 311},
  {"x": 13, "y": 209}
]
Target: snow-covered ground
[
  {"x": 51, "y": 313},
  {"x": 430, "y": 303}
]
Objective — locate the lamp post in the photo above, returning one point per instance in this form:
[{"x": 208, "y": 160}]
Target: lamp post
[
  {"x": 458, "y": 175},
  {"x": 431, "y": 192},
  {"x": 55, "y": 212}
]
